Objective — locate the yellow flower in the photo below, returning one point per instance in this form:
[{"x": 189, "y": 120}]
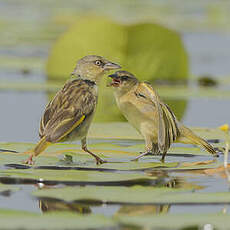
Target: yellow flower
[{"x": 224, "y": 127}]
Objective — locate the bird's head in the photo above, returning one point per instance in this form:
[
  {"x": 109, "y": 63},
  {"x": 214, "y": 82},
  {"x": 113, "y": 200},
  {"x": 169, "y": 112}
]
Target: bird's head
[
  {"x": 122, "y": 81},
  {"x": 92, "y": 67}
]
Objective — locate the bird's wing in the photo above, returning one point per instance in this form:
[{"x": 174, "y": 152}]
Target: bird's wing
[
  {"x": 166, "y": 120},
  {"x": 69, "y": 108}
]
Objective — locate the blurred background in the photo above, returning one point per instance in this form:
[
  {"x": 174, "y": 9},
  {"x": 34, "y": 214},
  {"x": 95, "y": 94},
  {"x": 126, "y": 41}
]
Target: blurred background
[{"x": 181, "y": 47}]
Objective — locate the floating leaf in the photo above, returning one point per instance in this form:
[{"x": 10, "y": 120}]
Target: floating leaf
[
  {"x": 76, "y": 177},
  {"x": 31, "y": 221},
  {"x": 117, "y": 159},
  {"x": 146, "y": 49},
  {"x": 142, "y": 48},
  {"x": 175, "y": 221},
  {"x": 133, "y": 195}
]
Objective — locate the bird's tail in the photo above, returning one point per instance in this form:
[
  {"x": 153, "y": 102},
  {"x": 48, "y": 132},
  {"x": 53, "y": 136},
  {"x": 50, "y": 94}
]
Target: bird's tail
[
  {"x": 188, "y": 137},
  {"x": 41, "y": 146}
]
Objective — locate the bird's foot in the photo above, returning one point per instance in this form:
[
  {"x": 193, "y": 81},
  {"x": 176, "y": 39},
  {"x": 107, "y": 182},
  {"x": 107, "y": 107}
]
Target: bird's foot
[
  {"x": 156, "y": 153},
  {"x": 162, "y": 160},
  {"x": 29, "y": 161},
  {"x": 216, "y": 155},
  {"x": 141, "y": 155},
  {"x": 99, "y": 161},
  {"x": 149, "y": 153},
  {"x": 163, "y": 157}
]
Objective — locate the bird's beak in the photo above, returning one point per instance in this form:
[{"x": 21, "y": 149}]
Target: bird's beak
[
  {"x": 115, "y": 80},
  {"x": 111, "y": 66}
]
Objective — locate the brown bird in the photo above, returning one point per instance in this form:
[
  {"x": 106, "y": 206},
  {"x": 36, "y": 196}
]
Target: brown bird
[
  {"x": 68, "y": 116},
  {"x": 154, "y": 120}
]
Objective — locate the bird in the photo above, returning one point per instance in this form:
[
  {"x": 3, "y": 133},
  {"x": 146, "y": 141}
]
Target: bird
[
  {"x": 68, "y": 115},
  {"x": 150, "y": 116}
]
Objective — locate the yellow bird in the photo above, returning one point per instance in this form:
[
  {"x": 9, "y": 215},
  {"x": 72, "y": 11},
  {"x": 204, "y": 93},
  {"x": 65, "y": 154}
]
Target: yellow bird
[
  {"x": 154, "y": 120},
  {"x": 68, "y": 116}
]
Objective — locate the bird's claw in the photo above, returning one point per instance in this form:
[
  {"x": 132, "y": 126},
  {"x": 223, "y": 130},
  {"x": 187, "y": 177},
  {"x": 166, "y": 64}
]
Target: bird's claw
[
  {"x": 148, "y": 153},
  {"x": 99, "y": 161},
  {"x": 135, "y": 159},
  {"x": 29, "y": 161}
]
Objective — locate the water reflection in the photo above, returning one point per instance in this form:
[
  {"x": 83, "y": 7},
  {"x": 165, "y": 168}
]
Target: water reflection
[
  {"x": 51, "y": 206},
  {"x": 134, "y": 210},
  {"x": 114, "y": 209},
  {"x": 131, "y": 210}
]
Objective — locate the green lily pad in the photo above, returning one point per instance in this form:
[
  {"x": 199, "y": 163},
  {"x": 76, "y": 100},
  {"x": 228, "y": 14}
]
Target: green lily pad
[
  {"x": 117, "y": 158},
  {"x": 118, "y": 153},
  {"x": 76, "y": 176},
  {"x": 175, "y": 221},
  {"x": 66, "y": 220},
  {"x": 31, "y": 221},
  {"x": 142, "y": 48},
  {"x": 146, "y": 49},
  {"x": 133, "y": 195}
]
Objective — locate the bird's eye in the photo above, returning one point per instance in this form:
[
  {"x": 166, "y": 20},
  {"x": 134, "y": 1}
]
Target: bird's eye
[
  {"x": 98, "y": 62},
  {"x": 125, "y": 78}
]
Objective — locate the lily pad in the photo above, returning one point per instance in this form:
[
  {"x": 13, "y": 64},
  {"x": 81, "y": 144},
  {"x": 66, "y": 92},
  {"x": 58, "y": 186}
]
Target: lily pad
[
  {"x": 146, "y": 49},
  {"x": 141, "y": 48},
  {"x": 182, "y": 221},
  {"x": 133, "y": 195},
  {"x": 31, "y": 221},
  {"x": 117, "y": 158},
  {"x": 78, "y": 177},
  {"x": 118, "y": 151}
]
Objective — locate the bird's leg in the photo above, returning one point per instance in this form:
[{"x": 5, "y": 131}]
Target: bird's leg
[
  {"x": 141, "y": 155},
  {"x": 163, "y": 157},
  {"x": 155, "y": 149},
  {"x": 29, "y": 161},
  {"x": 84, "y": 147},
  {"x": 148, "y": 149}
]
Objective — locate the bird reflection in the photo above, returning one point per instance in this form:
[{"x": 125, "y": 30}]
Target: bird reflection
[
  {"x": 51, "y": 206},
  {"x": 137, "y": 210},
  {"x": 163, "y": 181}
]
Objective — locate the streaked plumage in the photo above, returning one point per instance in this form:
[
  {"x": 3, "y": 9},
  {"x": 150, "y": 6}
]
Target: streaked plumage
[
  {"x": 68, "y": 116},
  {"x": 155, "y": 121}
]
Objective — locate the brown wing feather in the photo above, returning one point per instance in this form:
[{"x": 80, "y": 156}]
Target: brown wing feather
[
  {"x": 73, "y": 103},
  {"x": 167, "y": 125}
]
